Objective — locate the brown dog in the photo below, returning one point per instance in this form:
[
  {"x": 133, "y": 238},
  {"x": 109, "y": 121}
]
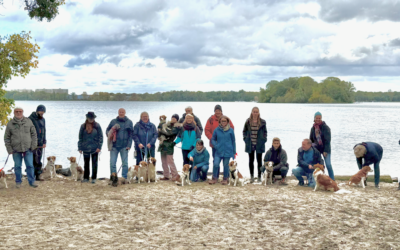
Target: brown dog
[
  {"x": 323, "y": 180},
  {"x": 151, "y": 171},
  {"x": 360, "y": 176},
  {"x": 142, "y": 171},
  {"x": 3, "y": 176}
]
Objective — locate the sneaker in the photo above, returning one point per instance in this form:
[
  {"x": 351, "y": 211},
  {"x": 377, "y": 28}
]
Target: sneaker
[
  {"x": 283, "y": 182},
  {"x": 114, "y": 180},
  {"x": 252, "y": 179},
  {"x": 377, "y": 186},
  {"x": 33, "y": 185},
  {"x": 18, "y": 185},
  {"x": 164, "y": 179},
  {"x": 212, "y": 181},
  {"x": 300, "y": 184},
  {"x": 85, "y": 180},
  {"x": 93, "y": 181},
  {"x": 259, "y": 178},
  {"x": 224, "y": 182}
]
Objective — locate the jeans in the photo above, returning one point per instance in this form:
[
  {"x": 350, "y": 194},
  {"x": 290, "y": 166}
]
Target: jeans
[
  {"x": 140, "y": 153},
  {"x": 328, "y": 165},
  {"x": 213, "y": 153},
  {"x": 251, "y": 163},
  {"x": 377, "y": 174},
  {"x": 28, "y": 159},
  {"x": 200, "y": 172},
  {"x": 282, "y": 171},
  {"x": 113, "y": 161},
  {"x": 86, "y": 158},
  {"x": 37, "y": 161},
  {"x": 299, "y": 172},
  {"x": 217, "y": 161}
]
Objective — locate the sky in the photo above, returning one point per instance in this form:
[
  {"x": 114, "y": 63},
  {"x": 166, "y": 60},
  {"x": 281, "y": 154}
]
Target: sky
[{"x": 156, "y": 45}]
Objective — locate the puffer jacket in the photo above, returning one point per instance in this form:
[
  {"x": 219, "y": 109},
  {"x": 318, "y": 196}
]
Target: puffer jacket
[
  {"x": 40, "y": 126},
  {"x": 124, "y": 134},
  {"x": 224, "y": 142},
  {"x": 88, "y": 143},
  {"x": 211, "y": 125},
  {"x": 20, "y": 136}
]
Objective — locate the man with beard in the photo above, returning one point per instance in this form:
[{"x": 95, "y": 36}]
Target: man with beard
[{"x": 40, "y": 125}]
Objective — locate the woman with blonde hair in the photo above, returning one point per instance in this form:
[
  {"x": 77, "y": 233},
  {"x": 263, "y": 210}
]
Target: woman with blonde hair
[
  {"x": 188, "y": 135},
  {"x": 144, "y": 135},
  {"x": 255, "y": 137}
]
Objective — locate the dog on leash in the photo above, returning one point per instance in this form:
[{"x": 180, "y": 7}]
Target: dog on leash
[
  {"x": 322, "y": 180},
  {"x": 184, "y": 175},
  {"x": 50, "y": 170},
  {"x": 234, "y": 174},
  {"x": 76, "y": 171},
  {"x": 3, "y": 176},
  {"x": 142, "y": 171},
  {"x": 132, "y": 173},
  {"x": 360, "y": 176},
  {"x": 267, "y": 175},
  {"x": 151, "y": 171}
]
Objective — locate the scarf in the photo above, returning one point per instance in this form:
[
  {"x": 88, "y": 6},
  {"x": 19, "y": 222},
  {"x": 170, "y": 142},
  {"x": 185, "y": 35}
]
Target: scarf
[
  {"x": 226, "y": 128},
  {"x": 89, "y": 126},
  {"x": 189, "y": 126},
  {"x": 318, "y": 133},
  {"x": 200, "y": 151},
  {"x": 146, "y": 126},
  {"x": 275, "y": 154},
  {"x": 112, "y": 136}
]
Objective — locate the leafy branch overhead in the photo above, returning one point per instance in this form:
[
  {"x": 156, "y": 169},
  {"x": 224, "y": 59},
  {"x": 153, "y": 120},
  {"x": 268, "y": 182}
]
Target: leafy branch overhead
[{"x": 43, "y": 9}]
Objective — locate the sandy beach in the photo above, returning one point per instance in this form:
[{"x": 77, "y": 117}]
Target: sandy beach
[{"x": 64, "y": 214}]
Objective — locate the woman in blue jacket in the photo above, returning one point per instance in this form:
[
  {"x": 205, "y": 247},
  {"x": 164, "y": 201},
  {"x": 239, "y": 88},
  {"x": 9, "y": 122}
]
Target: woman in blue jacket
[
  {"x": 224, "y": 143},
  {"x": 188, "y": 135},
  {"x": 144, "y": 135},
  {"x": 201, "y": 160}
]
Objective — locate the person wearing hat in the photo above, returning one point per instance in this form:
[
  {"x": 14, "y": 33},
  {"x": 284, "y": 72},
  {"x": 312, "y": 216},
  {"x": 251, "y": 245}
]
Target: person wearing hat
[
  {"x": 167, "y": 150},
  {"x": 20, "y": 140},
  {"x": 372, "y": 153},
  {"x": 320, "y": 136},
  {"x": 40, "y": 125},
  {"x": 213, "y": 123},
  {"x": 189, "y": 110},
  {"x": 90, "y": 144}
]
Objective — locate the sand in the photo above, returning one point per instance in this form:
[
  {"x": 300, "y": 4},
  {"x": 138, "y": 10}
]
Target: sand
[{"x": 64, "y": 214}]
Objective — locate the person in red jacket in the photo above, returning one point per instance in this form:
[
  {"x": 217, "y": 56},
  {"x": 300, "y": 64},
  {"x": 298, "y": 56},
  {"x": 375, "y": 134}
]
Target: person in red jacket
[{"x": 213, "y": 123}]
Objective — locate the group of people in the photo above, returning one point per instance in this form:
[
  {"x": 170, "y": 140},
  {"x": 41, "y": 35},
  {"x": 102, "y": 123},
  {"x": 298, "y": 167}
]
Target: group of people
[{"x": 25, "y": 138}]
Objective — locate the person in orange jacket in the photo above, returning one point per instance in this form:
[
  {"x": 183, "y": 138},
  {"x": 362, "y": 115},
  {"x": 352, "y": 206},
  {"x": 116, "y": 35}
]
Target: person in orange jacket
[{"x": 213, "y": 123}]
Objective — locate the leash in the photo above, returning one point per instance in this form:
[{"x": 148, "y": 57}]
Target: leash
[
  {"x": 79, "y": 158},
  {"x": 5, "y": 163}
]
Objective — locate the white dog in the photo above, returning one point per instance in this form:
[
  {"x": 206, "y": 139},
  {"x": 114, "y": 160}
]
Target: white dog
[
  {"x": 76, "y": 171},
  {"x": 50, "y": 168},
  {"x": 234, "y": 174},
  {"x": 132, "y": 173},
  {"x": 184, "y": 175},
  {"x": 267, "y": 175}
]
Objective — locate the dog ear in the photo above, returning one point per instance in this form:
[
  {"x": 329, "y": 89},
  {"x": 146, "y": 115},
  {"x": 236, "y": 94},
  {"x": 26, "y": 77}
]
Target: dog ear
[{"x": 48, "y": 158}]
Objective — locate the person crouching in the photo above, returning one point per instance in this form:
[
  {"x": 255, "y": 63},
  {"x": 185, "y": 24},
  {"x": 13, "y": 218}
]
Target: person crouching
[{"x": 201, "y": 160}]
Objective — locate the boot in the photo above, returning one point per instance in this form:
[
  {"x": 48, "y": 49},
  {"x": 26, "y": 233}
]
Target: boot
[
  {"x": 114, "y": 179},
  {"x": 259, "y": 177},
  {"x": 224, "y": 181},
  {"x": 213, "y": 181},
  {"x": 283, "y": 181},
  {"x": 252, "y": 179}
]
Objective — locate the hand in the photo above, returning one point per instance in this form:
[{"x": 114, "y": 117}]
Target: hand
[
  {"x": 325, "y": 154},
  {"x": 80, "y": 151},
  {"x": 128, "y": 148},
  {"x": 310, "y": 167},
  {"x": 98, "y": 150},
  {"x": 44, "y": 146},
  {"x": 174, "y": 143},
  {"x": 159, "y": 130},
  {"x": 195, "y": 167},
  {"x": 191, "y": 158},
  {"x": 148, "y": 145},
  {"x": 141, "y": 145}
]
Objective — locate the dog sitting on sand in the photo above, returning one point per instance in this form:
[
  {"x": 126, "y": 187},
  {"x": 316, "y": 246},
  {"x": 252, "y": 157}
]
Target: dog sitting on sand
[
  {"x": 267, "y": 175},
  {"x": 50, "y": 170},
  {"x": 151, "y": 170},
  {"x": 132, "y": 173},
  {"x": 184, "y": 175},
  {"x": 76, "y": 171},
  {"x": 142, "y": 172},
  {"x": 234, "y": 174},
  {"x": 322, "y": 180},
  {"x": 360, "y": 176},
  {"x": 3, "y": 177}
]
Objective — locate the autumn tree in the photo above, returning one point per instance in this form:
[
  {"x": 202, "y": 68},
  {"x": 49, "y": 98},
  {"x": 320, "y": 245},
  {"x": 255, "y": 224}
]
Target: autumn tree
[{"x": 41, "y": 9}]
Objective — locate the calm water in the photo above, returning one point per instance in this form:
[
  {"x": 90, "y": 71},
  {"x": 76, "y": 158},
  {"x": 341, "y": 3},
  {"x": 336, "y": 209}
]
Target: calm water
[{"x": 349, "y": 123}]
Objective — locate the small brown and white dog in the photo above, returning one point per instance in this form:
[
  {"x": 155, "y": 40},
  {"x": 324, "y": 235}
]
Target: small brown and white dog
[
  {"x": 267, "y": 175},
  {"x": 164, "y": 127},
  {"x": 142, "y": 171},
  {"x": 360, "y": 176},
  {"x": 234, "y": 174},
  {"x": 3, "y": 176},
  {"x": 184, "y": 175},
  {"x": 132, "y": 173},
  {"x": 322, "y": 180},
  {"x": 50, "y": 170},
  {"x": 76, "y": 171},
  {"x": 151, "y": 172}
]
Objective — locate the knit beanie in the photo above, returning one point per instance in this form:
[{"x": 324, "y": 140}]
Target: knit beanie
[
  {"x": 41, "y": 108},
  {"x": 176, "y": 117},
  {"x": 318, "y": 113},
  {"x": 218, "y": 107}
]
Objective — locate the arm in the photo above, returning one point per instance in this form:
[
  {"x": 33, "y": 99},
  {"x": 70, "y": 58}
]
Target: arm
[
  {"x": 179, "y": 137},
  {"x": 234, "y": 143},
  {"x": 100, "y": 135},
  {"x": 266, "y": 133},
  {"x": 135, "y": 136},
  {"x": 80, "y": 137},
  {"x": 359, "y": 163},
  {"x": 244, "y": 131},
  {"x": 155, "y": 135},
  {"x": 283, "y": 160},
  {"x": 311, "y": 135},
  {"x": 7, "y": 139},
  {"x": 109, "y": 127},
  {"x": 327, "y": 139},
  {"x": 130, "y": 136},
  {"x": 267, "y": 156},
  {"x": 33, "y": 137},
  {"x": 214, "y": 139},
  {"x": 191, "y": 154},
  {"x": 208, "y": 130},
  {"x": 200, "y": 126},
  {"x": 301, "y": 162},
  {"x": 206, "y": 160},
  {"x": 44, "y": 132}
]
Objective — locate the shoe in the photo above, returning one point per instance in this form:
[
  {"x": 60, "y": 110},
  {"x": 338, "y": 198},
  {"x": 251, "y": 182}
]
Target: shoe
[
  {"x": 85, "y": 180},
  {"x": 300, "y": 184},
  {"x": 164, "y": 179},
  {"x": 224, "y": 182},
  {"x": 93, "y": 181},
  {"x": 212, "y": 181},
  {"x": 259, "y": 178},
  {"x": 33, "y": 185},
  {"x": 377, "y": 186},
  {"x": 283, "y": 182},
  {"x": 252, "y": 179},
  {"x": 114, "y": 180},
  {"x": 18, "y": 185}
]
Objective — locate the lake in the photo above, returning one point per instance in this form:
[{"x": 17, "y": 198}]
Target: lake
[{"x": 350, "y": 124}]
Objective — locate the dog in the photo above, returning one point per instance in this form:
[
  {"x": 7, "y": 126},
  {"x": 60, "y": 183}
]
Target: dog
[
  {"x": 361, "y": 176},
  {"x": 132, "y": 173},
  {"x": 234, "y": 174},
  {"x": 184, "y": 175},
  {"x": 322, "y": 180},
  {"x": 50, "y": 169},
  {"x": 151, "y": 170},
  {"x": 163, "y": 126},
  {"x": 142, "y": 171},
  {"x": 76, "y": 171},
  {"x": 267, "y": 175},
  {"x": 3, "y": 176}
]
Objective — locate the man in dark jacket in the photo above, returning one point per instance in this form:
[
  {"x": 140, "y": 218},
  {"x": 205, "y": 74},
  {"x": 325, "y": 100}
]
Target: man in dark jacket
[
  {"x": 40, "y": 125},
  {"x": 372, "y": 153},
  {"x": 307, "y": 157},
  {"x": 122, "y": 145},
  {"x": 189, "y": 110},
  {"x": 279, "y": 157}
]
